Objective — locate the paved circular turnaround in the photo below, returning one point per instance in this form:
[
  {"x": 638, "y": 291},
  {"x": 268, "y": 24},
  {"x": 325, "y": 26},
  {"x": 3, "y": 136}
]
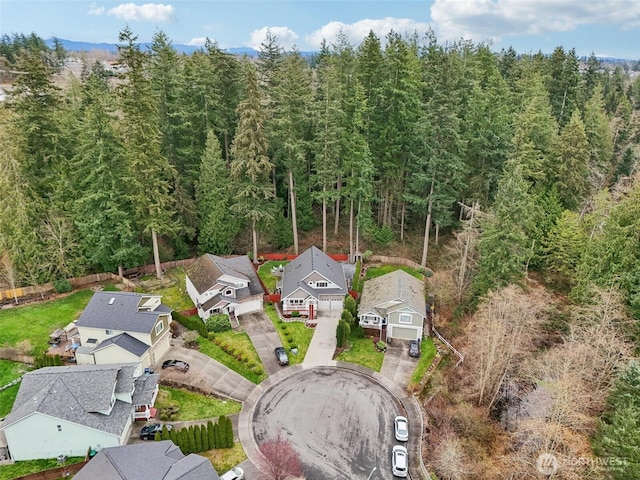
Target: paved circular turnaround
[{"x": 339, "y": 421}]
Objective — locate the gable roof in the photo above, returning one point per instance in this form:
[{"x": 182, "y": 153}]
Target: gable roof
[
  {"x": 119, "y": 311},
  {"x": 160, "y": 460},
  {"x": 76, "y": 394},
  {"x": 126, "y": 342},
  {"x": 207, "y": 269},
  {"x": 392, "y": 291},
  {"x": 313, "y": 260}
]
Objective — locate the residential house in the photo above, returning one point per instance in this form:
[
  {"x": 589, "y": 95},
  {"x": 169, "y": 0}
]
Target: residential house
[
  {"x": 224, "y": 285},
  {"x": 121, "y": 327},
  {"x": 160, "y": 460},
  {"x": 65, "y": 410},
  {"x": 312, "y": 283},
  {"x": 394, "y": 302}
]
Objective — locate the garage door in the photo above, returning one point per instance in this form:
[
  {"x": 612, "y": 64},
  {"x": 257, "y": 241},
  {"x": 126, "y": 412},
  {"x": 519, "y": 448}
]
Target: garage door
[
  {"x": 333, "y": 305},
  {"x": 404, "y": 333}
]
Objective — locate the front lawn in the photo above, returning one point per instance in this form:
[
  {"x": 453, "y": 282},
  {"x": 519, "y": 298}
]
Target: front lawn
[
  {"x": 379, "y": 270},
  {"x": 264, "y": 272},
  {"x": 223, "y": 459},
  {"x": 235, "y": 350},
  {"x": 20, "y": 469},
  {"x": 291, "y": 334},
  {"x": 361, "y": 351},
  {"x": 194, "y": 406},
  {"x": 29, "y": 326},
  {"x": 427, "y": 354}
]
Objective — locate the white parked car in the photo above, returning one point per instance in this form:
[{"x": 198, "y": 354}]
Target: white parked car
[
  {"x": 400, "y": 461},
  {"x": 236, "y": 473},
  {"x": 401, "y": 427}
]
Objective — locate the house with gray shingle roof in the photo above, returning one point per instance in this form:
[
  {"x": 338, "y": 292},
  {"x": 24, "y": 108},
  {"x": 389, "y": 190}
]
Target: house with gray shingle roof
[
  {"x": 160, "y": 460},
  {"x": 118, "y": 327},
  {"x": 395, "y": 302},
  {"x": 224, "y": 285},
  {"x": 65, "y": 410},
  {"x": 313, "y": 283}
]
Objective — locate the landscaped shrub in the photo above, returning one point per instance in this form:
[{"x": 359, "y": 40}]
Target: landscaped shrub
[
  {"x": 62, "y": 286},
  {"x": 358, "y": 331},
  {"x": 347, "y": 317},
  {"x": 295, "y": 313},
  {"x": 342, "y": 332},
  {"x": 190, "y": 339},
  {"x": 45, "y": 360},
  {"x": 350, "y": 305},
  {"x": 357, "y": 284},
  {"x": 169, "y": 412},
  {"x": 218, "y": 323},
  {"x": 192, "y": 323}
]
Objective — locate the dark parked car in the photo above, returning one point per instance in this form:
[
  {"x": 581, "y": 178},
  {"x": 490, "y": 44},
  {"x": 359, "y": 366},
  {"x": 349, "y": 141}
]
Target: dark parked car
[
  {"x": 148, "y": 432},
  {"x": 281, "y": 356},
  {"x": 414, "y": 348},
  {"x": 177, "y": 364}
]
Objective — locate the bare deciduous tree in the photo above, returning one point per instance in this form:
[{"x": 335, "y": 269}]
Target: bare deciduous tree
[
  {"x": 449, "y": 458},
  {"x": 281, "y": 461}
]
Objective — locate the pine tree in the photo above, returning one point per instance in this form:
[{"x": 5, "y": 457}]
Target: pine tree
[
  {"x": 250, "y": 165},
  {"x": 216, "y": 436},
  {"x": 197, "y": 439},
  {"x": 211, "y": 436},
  {"x": 204, "y": 438}
]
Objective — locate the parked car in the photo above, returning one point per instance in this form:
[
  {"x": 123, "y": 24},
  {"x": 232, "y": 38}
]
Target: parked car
[
  {"x": 176, "y": 364},
  {"x": 401, "y": 427},
  {"x": 236, "y": 473},
  {"x": 281, "y": 356},
  {"x": 148, "y": 432},
  {"x": 414, "y": 348},
  {"x": 399, "y": 461}
]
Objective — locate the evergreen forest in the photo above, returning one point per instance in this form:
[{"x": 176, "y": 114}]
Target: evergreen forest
[{"x": 514, "y": 177}]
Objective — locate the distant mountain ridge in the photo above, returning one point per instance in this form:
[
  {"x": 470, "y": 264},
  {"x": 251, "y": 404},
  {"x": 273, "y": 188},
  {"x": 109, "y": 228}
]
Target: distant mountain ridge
[{"x": 76, "y": 46}]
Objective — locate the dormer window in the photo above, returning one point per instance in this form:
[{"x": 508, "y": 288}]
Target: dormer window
[
  {"x": 322, "y": 284},
  {"x": 228, "y": 292},
  {"x": 159, "y": 327}
]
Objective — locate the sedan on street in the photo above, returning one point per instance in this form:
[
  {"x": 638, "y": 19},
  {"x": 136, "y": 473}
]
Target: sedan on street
[
  {"x": 399, "y": 461},
  {"x": 401, "y": 426},
  {"x": 281, "y": 356}
]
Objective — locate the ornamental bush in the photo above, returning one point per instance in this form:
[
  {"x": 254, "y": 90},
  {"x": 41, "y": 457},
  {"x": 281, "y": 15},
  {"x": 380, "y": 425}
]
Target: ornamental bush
[{"x": 218, "y": 323}]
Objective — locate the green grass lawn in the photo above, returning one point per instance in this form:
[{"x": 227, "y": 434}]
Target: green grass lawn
[
  {"x": 362, "y": 352},
  {"x": 264, "y": 272},
  {"x": 9, "y": 371},
  {"x": 223, "y": 459},
  {"x": 299, "y": 333},
  {"x": 175, "y": 296},
  {"x": 378, "y": 271},
  {"x": 427, "y": 354},
  {"x": 29, "y": 326},
  {"x": 252, "y": 369},
  {"x": 20, "y": 469},
  {"x": 194, "y": 406}
]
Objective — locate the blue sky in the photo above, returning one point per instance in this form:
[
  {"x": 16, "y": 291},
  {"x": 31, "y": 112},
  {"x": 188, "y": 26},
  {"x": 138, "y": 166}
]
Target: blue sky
[{"x": 604, "y": 27}]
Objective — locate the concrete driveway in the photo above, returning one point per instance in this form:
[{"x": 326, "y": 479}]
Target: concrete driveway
[
  {"x": 264, "y": 337},
  {"x": 206, "y": 374},
  {"x": 397, "y": 365},
  {"x": 341, "y": 422},
  {"x": 323, "y": 342}
]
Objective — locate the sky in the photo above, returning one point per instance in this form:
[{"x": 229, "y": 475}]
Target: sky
[{"x": 609, "y": 28}]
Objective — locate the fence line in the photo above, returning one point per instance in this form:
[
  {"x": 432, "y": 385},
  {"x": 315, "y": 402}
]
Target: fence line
[
  {"x": 449, "y": 346},
  {"x": 397, "y": 261}
]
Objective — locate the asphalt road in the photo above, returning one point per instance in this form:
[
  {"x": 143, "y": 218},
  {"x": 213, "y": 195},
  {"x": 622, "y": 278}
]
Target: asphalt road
[{"x": 339, "y": 421}]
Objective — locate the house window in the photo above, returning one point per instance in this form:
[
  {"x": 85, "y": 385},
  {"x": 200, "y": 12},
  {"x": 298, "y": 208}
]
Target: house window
[
  {"x": 405, "y": 318},
  {"x": 59, "y": 428},
  {"x": 228, "y": 292},
  {"x": 159, "y": 327},
  {"x": 322, "y": 284},
  {"x": 92, "y": 340},
  {"x": 109, "y": 332},
  {"x": 295, "y": 301}
]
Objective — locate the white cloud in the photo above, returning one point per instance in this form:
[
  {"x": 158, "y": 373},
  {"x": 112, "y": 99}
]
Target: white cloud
[
  {"x": 150, "y": 12},
  {"x": 356, "y": 32},
  {"x": 197, "y": 41},
  {"x": 480, "y": 20},
  {"x": 94, "y": 9},
  {"x": 286, "y": 38}
]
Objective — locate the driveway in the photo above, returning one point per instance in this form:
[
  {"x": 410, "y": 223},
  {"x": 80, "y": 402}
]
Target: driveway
[
  {"x": 397, "y": 365},
  {"x": 342, "y": 423},
  {"x": 206, "y": 374},
  {"x": 264, "y": 338},
  {"x": 323, "y": 342}
]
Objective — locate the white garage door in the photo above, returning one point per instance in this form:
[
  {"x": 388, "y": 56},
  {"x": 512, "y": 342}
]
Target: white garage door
[
  {"x": 404, "y": 333},
  {"x": 330, "y": 304}
]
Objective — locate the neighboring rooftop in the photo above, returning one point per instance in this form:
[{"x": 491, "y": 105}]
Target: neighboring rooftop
[
  {"x": 391, "y": 291},
  {"x": 207, "y": 269},
  {"x": 160, "y": 460}
]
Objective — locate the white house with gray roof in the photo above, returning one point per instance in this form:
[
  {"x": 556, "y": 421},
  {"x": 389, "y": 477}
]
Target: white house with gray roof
[
  {"x": 395, "y": 300},
  {"x": 160, "y": 460},
  {"x": 65, "y": 410},
  {"x": 313, "y": 282},
  {"x": 224, "y": 285},
  {"x": 118, "y": 327}
]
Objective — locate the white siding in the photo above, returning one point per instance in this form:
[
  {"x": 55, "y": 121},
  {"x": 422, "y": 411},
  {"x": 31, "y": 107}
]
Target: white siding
[
  {"x": 157, "y": 351},
  {"x": 37, "y": 436},
  {"x": 115, "y": 354},
  {"x": 191, "y": 290},
  {"x": 250, "y": 306},
  {"x": 331, "y": 304},
  {"x": 100, "y": 334}
]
